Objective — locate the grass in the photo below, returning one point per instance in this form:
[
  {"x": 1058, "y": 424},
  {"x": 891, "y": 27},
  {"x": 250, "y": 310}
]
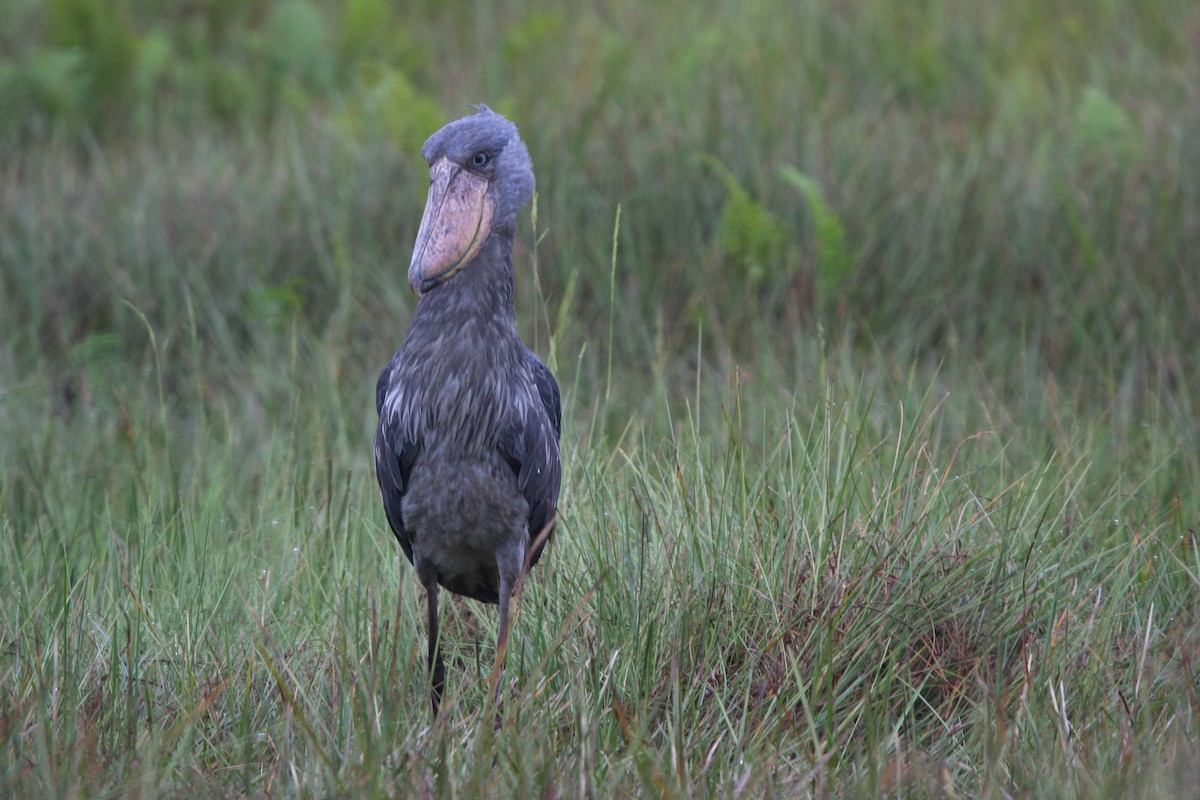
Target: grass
[{"x": 881, "y": 446}]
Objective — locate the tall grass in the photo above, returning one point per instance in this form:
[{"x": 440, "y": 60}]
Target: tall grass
[{"x": 881, "y": 445}]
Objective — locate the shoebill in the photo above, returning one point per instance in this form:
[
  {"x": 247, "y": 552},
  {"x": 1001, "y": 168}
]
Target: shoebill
[{"x": 466, "y": 452}]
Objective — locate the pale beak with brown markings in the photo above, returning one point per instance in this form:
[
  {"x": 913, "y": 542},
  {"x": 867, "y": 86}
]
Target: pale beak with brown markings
[{"x": 457, "y": 220}]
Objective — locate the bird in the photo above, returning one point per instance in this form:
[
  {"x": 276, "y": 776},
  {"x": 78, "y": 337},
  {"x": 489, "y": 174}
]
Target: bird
[{"x": 467, "y": 447}]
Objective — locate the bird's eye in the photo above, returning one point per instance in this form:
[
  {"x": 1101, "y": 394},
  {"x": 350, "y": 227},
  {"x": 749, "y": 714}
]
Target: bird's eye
[{"x": 480, "y": 159}]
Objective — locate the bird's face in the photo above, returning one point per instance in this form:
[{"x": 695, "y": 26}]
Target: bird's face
[{"x": 479, "y": 178}]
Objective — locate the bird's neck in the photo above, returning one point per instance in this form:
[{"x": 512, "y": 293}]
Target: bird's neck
[{"x": 483, "y": 288}]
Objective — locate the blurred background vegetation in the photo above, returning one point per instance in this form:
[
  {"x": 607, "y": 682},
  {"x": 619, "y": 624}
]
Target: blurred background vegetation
[
  {"x": 1000, "y": 194},
  {"x": 1016, "y": 181}
]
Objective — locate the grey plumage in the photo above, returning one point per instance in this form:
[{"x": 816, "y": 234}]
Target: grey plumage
[{"x": 466, "y": 452}]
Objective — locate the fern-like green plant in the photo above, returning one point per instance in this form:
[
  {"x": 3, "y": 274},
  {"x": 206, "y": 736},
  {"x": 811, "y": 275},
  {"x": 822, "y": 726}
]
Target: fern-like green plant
[
  {"x": 102, "y": 35},
  {"x": 386, "y": 103},
  {"x": 833, "y": 261},
  {"x": 1104, "y": 128},
  {"x": 749, "y": 235}
]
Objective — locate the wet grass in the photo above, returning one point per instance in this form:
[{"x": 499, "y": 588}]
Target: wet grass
[{"x": 881, "y": 442}]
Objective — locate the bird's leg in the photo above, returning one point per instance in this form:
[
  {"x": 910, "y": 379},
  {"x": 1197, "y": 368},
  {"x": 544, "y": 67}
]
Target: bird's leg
[
  {"x": 510, "y": 560},
  {"x": 501, "y": 645},
  {"x": 437, "y": 670}
]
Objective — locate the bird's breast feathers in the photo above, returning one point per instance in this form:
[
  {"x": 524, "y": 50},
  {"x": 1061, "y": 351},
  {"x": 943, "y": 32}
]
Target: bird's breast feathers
[{"x": 435, "y": 400}]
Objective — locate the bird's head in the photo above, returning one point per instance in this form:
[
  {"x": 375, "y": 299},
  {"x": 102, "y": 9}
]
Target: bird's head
[{"x": 480, "y": 176}]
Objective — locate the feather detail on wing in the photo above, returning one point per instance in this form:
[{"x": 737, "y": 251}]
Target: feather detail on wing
[
  {"x": 394, "y": 457},
  {"x": 533, "y": 452}
]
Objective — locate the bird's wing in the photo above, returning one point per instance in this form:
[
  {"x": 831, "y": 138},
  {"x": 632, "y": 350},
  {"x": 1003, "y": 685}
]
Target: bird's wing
[
  {"x": 394, "y": 457},
  {"x": 532, "y": 450},
  {"x": 548, "y": 390}
]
